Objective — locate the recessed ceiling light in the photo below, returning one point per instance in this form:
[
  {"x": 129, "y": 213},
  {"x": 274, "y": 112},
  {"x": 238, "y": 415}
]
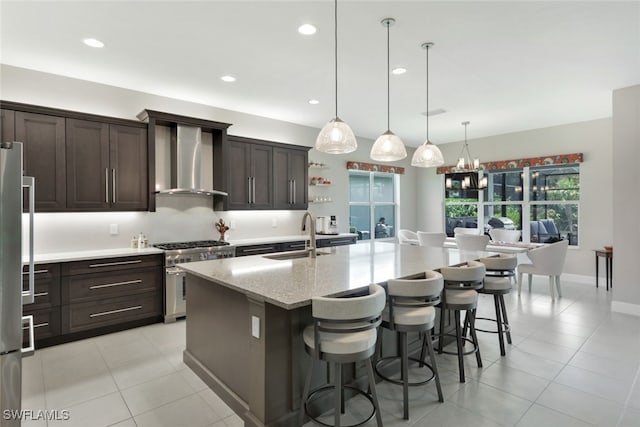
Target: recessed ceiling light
[
  {"x": 399, "y": 70},
  {"x": 93, "y": 42},
  {"x": 307, "y": 29},
  {"x": 314, "y": 102},
  {"x": 228, "y": 79}
]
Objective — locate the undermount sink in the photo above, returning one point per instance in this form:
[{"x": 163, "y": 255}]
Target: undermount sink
[{"x": 292, "y": 255}]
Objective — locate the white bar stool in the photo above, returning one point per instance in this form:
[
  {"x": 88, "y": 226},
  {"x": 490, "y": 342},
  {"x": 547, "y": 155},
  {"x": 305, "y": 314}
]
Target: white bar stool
[
  {"x": 460, "y": 293},
  {"x": 343, "y": 331},
  {"x": 410, "y": 308},
  {"x": 497, "y": 282}
]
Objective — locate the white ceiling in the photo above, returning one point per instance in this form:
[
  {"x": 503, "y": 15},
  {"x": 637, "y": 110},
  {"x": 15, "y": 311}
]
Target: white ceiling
[{"x": 504, "y": 66}]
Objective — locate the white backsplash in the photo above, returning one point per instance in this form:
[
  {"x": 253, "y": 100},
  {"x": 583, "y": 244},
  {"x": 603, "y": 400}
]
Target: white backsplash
[{"x": 178, "y": 218}]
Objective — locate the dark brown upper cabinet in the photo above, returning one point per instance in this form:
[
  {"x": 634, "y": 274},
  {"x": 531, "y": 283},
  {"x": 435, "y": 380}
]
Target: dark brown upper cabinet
[
  {"x": 106, "y": 166},
  {"x": 249, "y": 174},
  {"x": 260, "y": 174},
  {"x": 81, "y": 162},
  {"x": 43, "y": 137},
  {"x": 7, "y": 125},
  {"x": 290, "y": 174}
]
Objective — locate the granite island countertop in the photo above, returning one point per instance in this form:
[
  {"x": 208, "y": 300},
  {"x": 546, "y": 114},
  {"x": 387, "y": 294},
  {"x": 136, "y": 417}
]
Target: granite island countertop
[{"x": 291, "y": 283}]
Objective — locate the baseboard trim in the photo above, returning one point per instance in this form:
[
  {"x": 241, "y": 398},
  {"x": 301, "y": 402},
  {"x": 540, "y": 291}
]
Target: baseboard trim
[{"x": 625, "y": 308}]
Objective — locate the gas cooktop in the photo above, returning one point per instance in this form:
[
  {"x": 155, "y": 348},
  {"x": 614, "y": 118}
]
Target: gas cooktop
[{"x": 189, "y": 245}]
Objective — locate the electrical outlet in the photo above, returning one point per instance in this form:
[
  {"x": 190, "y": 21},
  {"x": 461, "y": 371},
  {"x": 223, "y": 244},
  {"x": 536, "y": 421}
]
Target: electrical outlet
[
  {"x": 113, "y": 229},
  {"x": 274, "y": 222},
  {"x": 255, "y": 327}
]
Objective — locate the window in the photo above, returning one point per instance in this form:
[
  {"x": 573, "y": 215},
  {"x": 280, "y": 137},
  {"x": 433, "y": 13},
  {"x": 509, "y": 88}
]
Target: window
[
  {"x": 542, "y": 201},
  {"x": 372, "y": 204}
]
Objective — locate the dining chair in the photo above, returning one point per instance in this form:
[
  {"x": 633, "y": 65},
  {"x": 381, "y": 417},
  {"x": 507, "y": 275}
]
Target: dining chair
[
  {"x": 463, "y": 230},
  {"x": 407, "y": 237},
  {"x": 470, "y": 242},
  {"x": 547, "y": 260},
  {"x": 432, "y": 239},
  {"x": 503, "y": 235}
]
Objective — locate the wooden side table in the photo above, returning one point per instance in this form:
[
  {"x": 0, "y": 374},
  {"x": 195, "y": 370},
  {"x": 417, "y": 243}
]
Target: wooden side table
[{"x": 608, "y": 261}]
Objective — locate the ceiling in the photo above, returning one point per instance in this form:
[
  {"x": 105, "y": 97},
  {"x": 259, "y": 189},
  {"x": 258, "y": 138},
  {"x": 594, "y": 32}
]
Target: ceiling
[{"x": 504, "y": 66}]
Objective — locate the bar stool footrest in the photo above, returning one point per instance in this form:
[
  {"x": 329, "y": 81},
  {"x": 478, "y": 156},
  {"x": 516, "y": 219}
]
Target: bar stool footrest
[
  {"x": 330, "y": 387},
  {"x": 465, "y": 339},
  {"x": 505, "y": 326},
  {"x": 400, "y": 382}
]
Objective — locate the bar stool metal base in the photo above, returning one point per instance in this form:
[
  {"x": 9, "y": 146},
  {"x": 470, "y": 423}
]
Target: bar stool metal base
[{"x": 317, "y": 393}]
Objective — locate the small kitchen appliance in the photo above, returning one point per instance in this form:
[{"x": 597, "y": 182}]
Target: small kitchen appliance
[
  {"x": 175, "y": 280},
  {"x": 327, "y": 225}
]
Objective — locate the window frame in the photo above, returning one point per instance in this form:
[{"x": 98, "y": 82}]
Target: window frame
[
  {"x": 372, "y": 204},
  {"x": 526, "y": 203}
]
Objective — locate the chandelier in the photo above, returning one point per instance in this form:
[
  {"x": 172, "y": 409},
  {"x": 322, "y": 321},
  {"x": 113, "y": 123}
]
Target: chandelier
[{"x": 469, "y": 168}]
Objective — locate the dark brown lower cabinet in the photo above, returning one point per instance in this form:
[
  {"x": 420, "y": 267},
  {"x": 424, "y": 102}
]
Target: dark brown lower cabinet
[{"x": 80, "y": 299}]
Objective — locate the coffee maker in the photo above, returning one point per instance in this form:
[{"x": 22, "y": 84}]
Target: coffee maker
[{"x": 327, "y": 224}]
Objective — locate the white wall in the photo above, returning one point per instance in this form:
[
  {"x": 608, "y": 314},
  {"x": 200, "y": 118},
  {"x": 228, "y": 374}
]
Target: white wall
[
  {"x": 626, "y": 205},
  {"x": 593, "y": 138}
]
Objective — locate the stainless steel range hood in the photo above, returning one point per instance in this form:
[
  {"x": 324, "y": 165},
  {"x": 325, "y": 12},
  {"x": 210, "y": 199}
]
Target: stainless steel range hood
[{"x": 186, "y": 174}]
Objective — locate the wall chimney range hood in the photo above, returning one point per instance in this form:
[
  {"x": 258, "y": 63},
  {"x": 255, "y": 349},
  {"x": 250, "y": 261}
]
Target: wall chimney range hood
[
  {"x": 185, "y": 149},
  {"x": 186, "y": 174}
]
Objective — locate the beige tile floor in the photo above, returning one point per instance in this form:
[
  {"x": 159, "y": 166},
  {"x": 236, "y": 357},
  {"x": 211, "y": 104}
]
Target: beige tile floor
[{"x": 572, "y": 363}]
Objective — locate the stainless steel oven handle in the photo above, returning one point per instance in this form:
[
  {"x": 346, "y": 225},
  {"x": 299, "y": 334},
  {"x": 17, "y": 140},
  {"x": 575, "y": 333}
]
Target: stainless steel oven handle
[
  {"x": 30, "y": 183},
  {"x": 28, "y": 351}
]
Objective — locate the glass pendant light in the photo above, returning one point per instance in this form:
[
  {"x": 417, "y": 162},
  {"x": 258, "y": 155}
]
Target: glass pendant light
[
  {"x": 336, "y": 137},
  {"x": 428, "y": 154},
  {"x": 388, "y": 147}
]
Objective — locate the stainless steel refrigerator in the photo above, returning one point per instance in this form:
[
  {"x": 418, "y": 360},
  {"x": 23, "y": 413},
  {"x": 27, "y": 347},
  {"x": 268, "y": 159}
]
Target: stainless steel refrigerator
[{"x": 12, "y": 295}]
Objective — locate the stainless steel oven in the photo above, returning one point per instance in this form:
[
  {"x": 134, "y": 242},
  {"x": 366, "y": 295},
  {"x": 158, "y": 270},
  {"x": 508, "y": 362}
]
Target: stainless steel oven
[{"x": 175, "y": 303}]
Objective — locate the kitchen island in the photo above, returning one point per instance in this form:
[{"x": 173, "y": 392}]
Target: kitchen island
[{"x": 245, "y": 317}]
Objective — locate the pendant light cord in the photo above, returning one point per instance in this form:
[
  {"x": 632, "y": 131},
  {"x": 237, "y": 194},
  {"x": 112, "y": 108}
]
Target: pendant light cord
[
  {"x": 388, "y": 73},
  {"x": 335, "y": 48},
  {"x": 427, "y": 79}
]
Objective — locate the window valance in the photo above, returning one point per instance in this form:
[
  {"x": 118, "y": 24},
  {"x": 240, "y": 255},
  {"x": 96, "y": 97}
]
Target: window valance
[
  {"x": 372, "y": 167},
  {"x": 559, "y": 159}
]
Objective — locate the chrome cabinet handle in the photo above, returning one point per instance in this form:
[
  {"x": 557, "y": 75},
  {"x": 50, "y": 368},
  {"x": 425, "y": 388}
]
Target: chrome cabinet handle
[
  {"x": 32, "y": 344},
  {"x": 121, "y": 310},
  {"x": 266, "y": 248},
  {"x": 111, "y": 285},
  {"x": 293, "y": 191},
  {"x": 249, "y": 189},
  {"x": 35, "y": 272},
  {"x": 39, "y": 325},
  {"x": 106, "y": 185},
  {"x": 109, "y": 264},
  {"x": 41, "y": 294},
  {"x": 113, "y": 187},
  {"x": 253, "y": 189}
]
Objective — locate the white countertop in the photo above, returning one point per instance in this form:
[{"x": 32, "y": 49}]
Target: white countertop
[
  {"x": 342, "y": 270},
  {"x": 503, "y": 247},
  {"x": 288, "y": 238},
  {"x": 99, "y": 253}
]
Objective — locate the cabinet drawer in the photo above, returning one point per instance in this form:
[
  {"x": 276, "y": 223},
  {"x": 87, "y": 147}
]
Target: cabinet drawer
[
  {"x": 258, "y": 249},
  {"x": 95, "y": 314},
  {"x": 110, "y": 264},
  {"x": 323, "y": 243},
  {"x": 46, "y": 323},
  {"x": 89, "y": 287},
  {"x": 294, "y": 246},
  {"x": 46, "y": 283}
]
